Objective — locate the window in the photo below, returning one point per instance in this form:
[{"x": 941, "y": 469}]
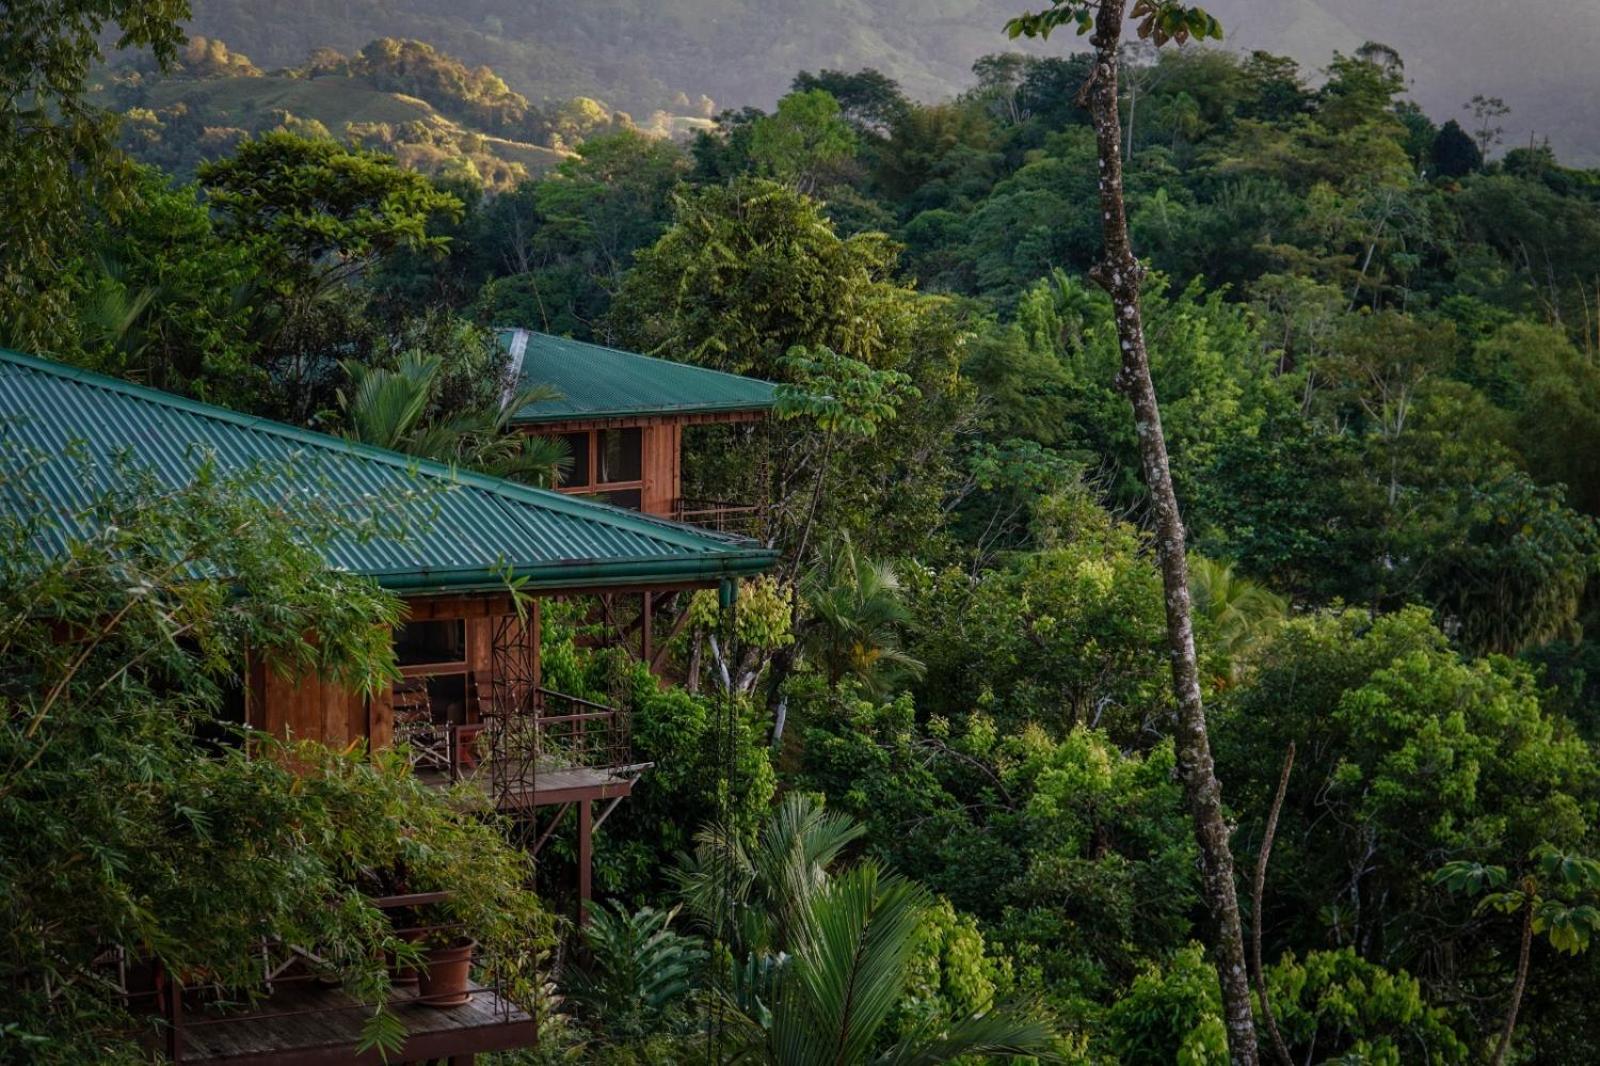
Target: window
[
  {"x": 608, "y": 463},
  {"x": 633, "y": 499},
  {"x": 620, "y": 458},
  {"x": 578, "y": 448},
  {"x": 423, "y": 643},
  {"x": 432, "y": 656}
]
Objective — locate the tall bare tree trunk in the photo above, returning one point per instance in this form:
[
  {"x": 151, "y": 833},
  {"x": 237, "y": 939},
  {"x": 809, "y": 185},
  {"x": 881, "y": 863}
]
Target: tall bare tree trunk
[
  {"x": 1504, "y": 1046},
  {"x": 1120, "y": 274}
]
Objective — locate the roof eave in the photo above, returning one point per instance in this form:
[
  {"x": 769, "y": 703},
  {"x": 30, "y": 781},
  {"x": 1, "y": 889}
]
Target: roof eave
[
  {"x": 546, "y": 577},
  {"x": 754, "y": 407}
]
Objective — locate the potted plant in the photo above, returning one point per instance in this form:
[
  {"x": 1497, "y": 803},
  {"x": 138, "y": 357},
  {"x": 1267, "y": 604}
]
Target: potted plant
[
  {"x": 438, "y": 927},
  {"x": 445, "y": 979},
  {"x": 467, "y": 897}
]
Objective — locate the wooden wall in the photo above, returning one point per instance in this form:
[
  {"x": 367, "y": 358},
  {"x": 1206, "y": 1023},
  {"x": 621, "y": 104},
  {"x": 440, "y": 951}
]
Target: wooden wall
[
  {"x": 661, "y": 446},
  {"x": 310, "y": 708}
]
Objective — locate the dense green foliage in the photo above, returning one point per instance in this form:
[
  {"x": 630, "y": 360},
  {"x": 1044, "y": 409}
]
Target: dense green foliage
[
  {"x": 137, "y": 813},
  {"x": 1375, "y": 343},
  {"x": 56, "y": 151}
]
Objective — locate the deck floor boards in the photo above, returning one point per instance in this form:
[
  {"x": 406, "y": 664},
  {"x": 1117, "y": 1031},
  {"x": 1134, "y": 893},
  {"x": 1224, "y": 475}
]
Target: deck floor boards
[
  {"x": 548, "y": 786},
  {"x": 306, "y": 1023}
]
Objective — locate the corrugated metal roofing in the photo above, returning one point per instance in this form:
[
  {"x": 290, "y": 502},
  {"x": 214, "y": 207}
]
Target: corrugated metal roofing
[
  {"x": 599, "y": 382},
  {"x": 460, "y": 530}
]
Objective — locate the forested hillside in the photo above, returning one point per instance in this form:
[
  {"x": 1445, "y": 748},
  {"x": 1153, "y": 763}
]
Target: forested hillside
[
  {"x": 404, "y": 97},
  {"x": 1537, "y": 56},
  {"x": 921, "y": 793}
]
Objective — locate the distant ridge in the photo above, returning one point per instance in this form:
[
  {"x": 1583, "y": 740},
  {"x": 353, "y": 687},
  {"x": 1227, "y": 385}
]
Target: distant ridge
[{"x": 1538, "y": 55}]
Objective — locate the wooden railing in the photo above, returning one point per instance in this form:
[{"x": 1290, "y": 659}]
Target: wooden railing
[
  {"x": 291, "y": 989},
  {"x": 295, "y": 992},
  {"x": 723, "y": 516}
]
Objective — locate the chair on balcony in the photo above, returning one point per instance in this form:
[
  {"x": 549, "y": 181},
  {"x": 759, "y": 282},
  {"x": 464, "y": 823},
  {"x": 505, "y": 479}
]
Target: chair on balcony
[{"x": 414, "y": 726}]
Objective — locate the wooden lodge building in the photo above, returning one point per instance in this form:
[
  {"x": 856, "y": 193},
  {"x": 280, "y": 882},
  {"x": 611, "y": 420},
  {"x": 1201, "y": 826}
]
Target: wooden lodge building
[
  {"x": 623, "y": 416},
  {"x": 471, "y": 704}
]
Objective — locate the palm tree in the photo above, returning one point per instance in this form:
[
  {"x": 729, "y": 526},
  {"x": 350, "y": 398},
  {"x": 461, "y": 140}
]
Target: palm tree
[
  {"x": 826, "y": 956},
  {"x": 764, "y": 887},
  {"x": 856, "y": 614},
  {"x": 637, "y": 967},
  {"x": 389, "y": 408},
  {"x": 832, "y": 999},
  {"x": 1240, "y": 613}
]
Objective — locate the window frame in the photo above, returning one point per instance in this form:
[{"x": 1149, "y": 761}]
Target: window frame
[{"x": 597, "y": 488}]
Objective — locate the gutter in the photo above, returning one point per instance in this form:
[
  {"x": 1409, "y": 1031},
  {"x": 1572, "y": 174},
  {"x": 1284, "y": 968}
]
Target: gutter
[
  {"x": 581, "y": 575},
  {"x": 694, "y": 408}
]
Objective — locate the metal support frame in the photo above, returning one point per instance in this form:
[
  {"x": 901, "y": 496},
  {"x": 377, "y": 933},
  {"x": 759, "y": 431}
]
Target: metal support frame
[{"x": 511, "y": 713}]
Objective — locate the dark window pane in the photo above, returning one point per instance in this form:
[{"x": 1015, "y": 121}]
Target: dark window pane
[
  {"x": 578, "y": 472},
  {"x": 632, "y": 499},
  {"x": 619, "y": 456},
  {"x": 430, "y": 642},
  {"x": 232, "y": 708},
  {"x": 447, "y": 697}
]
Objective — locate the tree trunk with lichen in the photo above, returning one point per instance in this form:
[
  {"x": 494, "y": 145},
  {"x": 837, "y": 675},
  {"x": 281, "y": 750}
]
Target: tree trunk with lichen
[{"x": 1120, "y": 274}]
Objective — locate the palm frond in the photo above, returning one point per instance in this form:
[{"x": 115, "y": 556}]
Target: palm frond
[
  {"x": 384, "y": 406},
  {"x": 1002, "y": 1032},
  {"x": 857, "y": 612},
  {"x": 634, "y": 959},
  {"x": 763, "y": 889},
  {"x": 847, "y": 976}
]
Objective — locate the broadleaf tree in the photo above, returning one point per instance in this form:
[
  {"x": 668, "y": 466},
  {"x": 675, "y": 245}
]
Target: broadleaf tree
[
  {"x": 1121, "y": 274},
  {"x": 57, "y": 150}
]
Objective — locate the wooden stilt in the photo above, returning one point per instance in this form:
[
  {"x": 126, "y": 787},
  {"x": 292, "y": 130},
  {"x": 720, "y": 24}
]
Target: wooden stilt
[
  {"x": 646, "y": 648},
  {"x": 585, "y": 858},
  {"x": 174, "y": 1004}
]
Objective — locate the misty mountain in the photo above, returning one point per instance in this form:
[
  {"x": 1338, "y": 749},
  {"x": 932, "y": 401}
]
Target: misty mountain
[
  {"x": 1537, "y": 55},
  {"x": 643, "y": 55}
]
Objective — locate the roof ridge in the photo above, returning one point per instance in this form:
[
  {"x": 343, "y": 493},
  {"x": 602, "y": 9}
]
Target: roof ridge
[{"x": 588, "y": 510}]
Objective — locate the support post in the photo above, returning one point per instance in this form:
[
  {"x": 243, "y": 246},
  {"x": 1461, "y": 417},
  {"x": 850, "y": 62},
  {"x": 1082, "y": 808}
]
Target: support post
[
  {"x": 174, "y": 1005},
  {"x": 646, "y": 647},
  {"x": 585, "y": 858}
]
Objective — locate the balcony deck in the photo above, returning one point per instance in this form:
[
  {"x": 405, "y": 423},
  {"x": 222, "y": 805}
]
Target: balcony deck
[
  {"x": 547, "y": 787},
  {"x": 737, "y": 517},
  {"x": 311, "y": 1025}
]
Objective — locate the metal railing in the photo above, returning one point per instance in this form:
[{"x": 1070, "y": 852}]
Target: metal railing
[
  {"x": 556, "y": 732},
  {"x": 573, "y": 732}
]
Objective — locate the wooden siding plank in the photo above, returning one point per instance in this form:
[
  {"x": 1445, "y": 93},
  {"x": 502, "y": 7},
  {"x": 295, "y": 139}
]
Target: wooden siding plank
[
  {"x": 355, "y": 718},
  {"x": 335, "y": 717},
  {"x": 480, "y": 663},
  {"x": 380, "y": 719},
  {"x": 434, "y": 608}
]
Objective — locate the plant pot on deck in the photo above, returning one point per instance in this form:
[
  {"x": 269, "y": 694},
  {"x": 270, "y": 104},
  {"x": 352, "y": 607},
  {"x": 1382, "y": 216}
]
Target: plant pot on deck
[
  {"x": 404, "y": 973},
  {"x": 445, "y": 980}
]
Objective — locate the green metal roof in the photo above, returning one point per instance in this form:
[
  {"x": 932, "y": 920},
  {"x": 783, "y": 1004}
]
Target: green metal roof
[
  {"x": 598, "y": 382},
  {"x": 461, "y": 531}
]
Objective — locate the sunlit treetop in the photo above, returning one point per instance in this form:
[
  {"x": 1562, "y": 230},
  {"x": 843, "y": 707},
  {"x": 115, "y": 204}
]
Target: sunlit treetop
[{"x": 1159, "y": 20}]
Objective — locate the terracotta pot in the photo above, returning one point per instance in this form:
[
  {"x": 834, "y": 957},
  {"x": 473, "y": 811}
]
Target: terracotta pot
[
  {"x": 404, "y": 975},
  {"x": 444, "y": 982}
]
